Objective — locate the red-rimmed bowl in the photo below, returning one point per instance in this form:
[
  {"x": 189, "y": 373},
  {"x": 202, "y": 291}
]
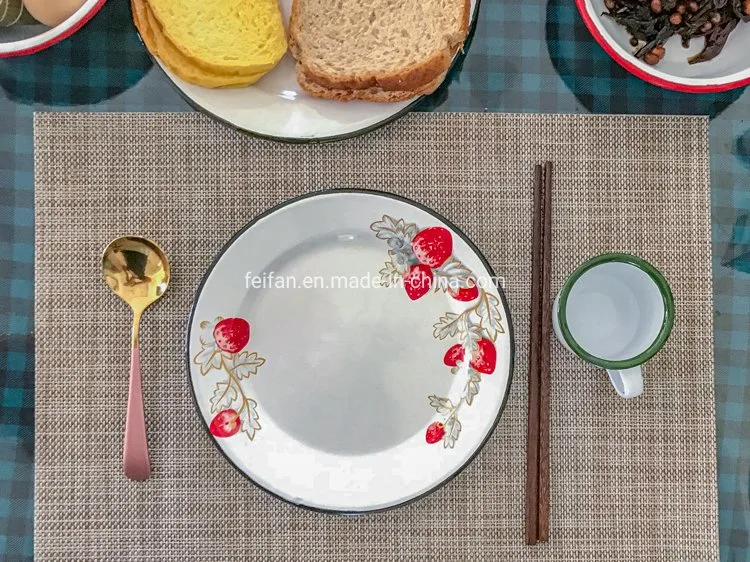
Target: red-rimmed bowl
[
  {"x": 27, "y": 39},
  {"x": 731, "y": 69}
]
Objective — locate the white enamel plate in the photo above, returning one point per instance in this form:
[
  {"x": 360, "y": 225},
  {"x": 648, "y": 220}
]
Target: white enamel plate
[
  {"x": 276, "y": 107},
  {"x": 350, "y": 351}
]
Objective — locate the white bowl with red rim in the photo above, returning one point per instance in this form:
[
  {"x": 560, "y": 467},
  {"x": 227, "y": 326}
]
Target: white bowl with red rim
[
  {"x": 27, "y": 39},
  {"x": 729, "y": 70}
]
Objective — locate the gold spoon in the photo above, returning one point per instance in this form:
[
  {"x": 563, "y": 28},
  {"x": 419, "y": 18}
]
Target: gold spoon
[{"x": 138, "y": 272}]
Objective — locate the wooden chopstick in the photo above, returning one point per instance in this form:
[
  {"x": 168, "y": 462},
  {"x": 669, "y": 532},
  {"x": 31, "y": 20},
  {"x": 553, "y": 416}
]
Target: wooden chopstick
[
  {"x": 537, "y": 449},
  {"x": 532, "y": 439},
  {"x": 544, "y": 376}
]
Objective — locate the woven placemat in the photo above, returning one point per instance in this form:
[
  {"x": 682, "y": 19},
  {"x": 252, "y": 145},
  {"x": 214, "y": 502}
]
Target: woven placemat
[{"x": 631, "y": 480}]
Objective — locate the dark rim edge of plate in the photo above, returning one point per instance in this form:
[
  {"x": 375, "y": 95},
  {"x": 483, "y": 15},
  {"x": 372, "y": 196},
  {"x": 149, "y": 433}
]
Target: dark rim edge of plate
[
  {"x": 461, "y": 54},
  {"x": 423, "y": 208}
]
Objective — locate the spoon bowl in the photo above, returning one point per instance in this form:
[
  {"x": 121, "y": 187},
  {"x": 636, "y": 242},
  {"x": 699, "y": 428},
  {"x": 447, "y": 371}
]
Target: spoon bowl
[{"x": 137, "y": 271}]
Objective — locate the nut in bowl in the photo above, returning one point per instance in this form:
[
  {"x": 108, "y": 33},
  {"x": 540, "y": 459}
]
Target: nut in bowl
[{"x": 714, "y": 60}]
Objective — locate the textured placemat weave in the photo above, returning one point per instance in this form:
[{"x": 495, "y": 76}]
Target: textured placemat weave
[{"x": 631, "y": 480}]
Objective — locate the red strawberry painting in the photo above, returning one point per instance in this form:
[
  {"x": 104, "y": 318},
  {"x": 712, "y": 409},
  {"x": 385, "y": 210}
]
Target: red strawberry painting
[
  {"x": 224, "y": 358},
  {"x": 225, "y": 424},
  {"x": 485, "y": 357},
  {"x": 454, "y": 354},
  {"x": 418, "y": 281},
  {"x": 465, "y": 294},
  {"x": 435, "y": 433},
  {"x": 432, "y": 246},
  {"x": 232, "y": 334},
  {"x": 423, "y": 260}
]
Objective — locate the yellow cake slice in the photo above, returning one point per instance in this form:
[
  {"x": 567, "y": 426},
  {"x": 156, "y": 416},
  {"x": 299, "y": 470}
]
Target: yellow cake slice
[
  {"x": 235, "y": 36},
  {"x": 176, "y": 61}
]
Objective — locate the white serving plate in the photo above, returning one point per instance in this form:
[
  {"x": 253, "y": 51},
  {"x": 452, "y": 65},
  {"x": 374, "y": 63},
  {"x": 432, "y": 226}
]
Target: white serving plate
[
  {"x": 276, "y": 106},
  {"x": 334, "y": 401}
]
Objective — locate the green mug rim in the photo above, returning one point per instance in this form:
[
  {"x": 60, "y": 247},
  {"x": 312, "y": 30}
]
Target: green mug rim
[{"x": 667, "y": 322}]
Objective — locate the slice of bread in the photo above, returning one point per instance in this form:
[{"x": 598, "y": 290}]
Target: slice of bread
[
  {"x": 368, "y": 94},
  {"x": 243, "y": 36},
  {"x": 175, "y": 60},
  {"x": 376, "y": 45}
]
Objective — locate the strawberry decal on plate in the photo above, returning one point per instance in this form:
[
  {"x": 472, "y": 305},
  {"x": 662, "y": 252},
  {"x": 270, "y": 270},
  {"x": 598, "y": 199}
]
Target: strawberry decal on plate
[
  {"x": 485, "y": 357},
  {"x": 454, "y": 354},
  {"x": 225, "y": 424},
  {"x": 432, "y": 246},
  {"x": 418, "y": 281},
  {"x": 465, "y": 294},
  {"x": 232, "y": 334},
  {"x": 435, "y": 433},
  {"x": 222, "y": 343},
  {"x": 423, "y": 260}
]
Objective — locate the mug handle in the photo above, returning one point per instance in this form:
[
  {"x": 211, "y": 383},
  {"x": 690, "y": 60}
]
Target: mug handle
[{"x": 627, "y": 382}]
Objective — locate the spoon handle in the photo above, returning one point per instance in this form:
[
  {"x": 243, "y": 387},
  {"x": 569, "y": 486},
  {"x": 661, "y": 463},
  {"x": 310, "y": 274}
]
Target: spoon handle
[{"x": 135, "y": 461}]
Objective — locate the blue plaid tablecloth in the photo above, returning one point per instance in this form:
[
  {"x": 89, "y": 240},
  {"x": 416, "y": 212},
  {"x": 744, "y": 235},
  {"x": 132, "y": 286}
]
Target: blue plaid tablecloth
[{"x": 525, "y": 56}]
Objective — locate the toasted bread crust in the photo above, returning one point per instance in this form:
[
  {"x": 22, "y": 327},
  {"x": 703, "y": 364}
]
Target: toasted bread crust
[
  {"x": 369, "y": 94},
  {"x": 409, "y": 79}
]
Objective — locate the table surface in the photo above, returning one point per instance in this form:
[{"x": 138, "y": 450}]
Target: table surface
[{"x": 525, "y": 56}]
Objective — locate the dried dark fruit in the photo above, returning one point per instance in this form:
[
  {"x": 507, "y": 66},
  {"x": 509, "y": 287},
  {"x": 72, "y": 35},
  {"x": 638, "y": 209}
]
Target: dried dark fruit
[
  {"x": 651, "y": 22},
  {"x": 715, "y": 42}
]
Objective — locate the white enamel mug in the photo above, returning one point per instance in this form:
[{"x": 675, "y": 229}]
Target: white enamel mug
[{"x": 615, "y": 311}]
